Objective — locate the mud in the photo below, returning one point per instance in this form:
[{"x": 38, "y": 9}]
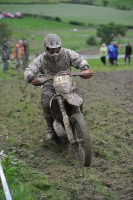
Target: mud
[{"x": 108, "y": 111}]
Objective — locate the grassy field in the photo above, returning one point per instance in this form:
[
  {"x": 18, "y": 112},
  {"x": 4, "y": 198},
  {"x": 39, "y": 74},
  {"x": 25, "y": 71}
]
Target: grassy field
[
  {"x": 34, "y": 30},
  {"x": 75, "y": 12},
  {"x": 37, "y": 170},
  {"x": 128, "y": 3},
  {"x": 28, "y": 1},
  {"x": 112, "y": 3}
]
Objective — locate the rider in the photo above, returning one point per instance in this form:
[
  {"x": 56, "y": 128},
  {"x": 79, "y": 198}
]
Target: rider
[{"x": 54, "y": 59}]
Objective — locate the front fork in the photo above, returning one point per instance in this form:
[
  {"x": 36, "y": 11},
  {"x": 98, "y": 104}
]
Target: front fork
[{"x": 66, "y": 120}]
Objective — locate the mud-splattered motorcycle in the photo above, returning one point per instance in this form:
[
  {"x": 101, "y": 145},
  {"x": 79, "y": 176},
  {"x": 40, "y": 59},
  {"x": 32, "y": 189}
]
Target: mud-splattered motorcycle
[{"x": 65, "y": 107}]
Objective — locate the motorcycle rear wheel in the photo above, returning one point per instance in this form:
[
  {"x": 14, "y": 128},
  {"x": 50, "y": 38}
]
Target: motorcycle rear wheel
[{"x": 82, "y": 150}]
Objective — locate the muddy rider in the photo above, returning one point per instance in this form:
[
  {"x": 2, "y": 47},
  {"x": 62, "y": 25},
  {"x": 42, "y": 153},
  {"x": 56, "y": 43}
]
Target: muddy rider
[{"x": 55, "y": 58}]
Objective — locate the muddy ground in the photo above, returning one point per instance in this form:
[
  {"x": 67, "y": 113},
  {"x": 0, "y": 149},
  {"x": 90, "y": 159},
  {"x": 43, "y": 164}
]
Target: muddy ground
[{"x": 108, "y": 111}]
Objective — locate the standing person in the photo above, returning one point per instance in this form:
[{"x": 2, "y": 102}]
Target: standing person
[
  {"x": 116, "y": 53},
  {"x": 128, "y": 52},
  {"x": 103, "y": 53},
  {"x": 111, "y": 53},
  {"x": 5, "y": 56},
  {"x": 26, "y": 50},
  {"x": 54, "y": 59},
  {"x": 19, "y": 54}
]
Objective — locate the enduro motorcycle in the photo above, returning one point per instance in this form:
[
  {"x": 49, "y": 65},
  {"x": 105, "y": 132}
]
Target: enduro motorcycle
[{"x": 65, "y": 108}]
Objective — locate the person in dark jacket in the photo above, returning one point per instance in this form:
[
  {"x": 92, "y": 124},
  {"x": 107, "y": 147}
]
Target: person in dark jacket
[
  {"x": 116, "y": 53},
  {"x": 5, "y": 56},
  {"x": 128, "y": 52},
  {"x": 26, "y": 50}
]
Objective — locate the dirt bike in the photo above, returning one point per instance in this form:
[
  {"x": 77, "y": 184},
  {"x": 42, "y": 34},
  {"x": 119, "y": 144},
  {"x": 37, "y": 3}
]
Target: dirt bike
[{"x": 65, "y": 108}]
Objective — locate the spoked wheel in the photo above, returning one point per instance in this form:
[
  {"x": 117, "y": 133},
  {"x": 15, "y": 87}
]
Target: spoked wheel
[{"x": 82, "y": 148}]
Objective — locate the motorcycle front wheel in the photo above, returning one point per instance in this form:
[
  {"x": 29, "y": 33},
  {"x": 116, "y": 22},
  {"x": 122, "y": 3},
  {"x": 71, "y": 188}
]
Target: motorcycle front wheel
[{"x": 82, "y": 148}]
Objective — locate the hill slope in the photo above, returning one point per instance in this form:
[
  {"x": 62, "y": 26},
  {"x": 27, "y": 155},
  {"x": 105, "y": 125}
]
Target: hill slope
[
  {"x": 75, "y": 12},
  {"x": 111, "y": 3}
]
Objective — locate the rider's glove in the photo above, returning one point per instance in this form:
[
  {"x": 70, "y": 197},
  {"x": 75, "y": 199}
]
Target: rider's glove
[{"x": 31, "y": 78}]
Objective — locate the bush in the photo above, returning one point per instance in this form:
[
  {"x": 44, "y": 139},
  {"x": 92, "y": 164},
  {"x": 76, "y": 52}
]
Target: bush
[
  {"x": 42, "y": 17},
  {"x": 123, "y": 7},
  {"x": 91, "y": 41},
  {"x": 58, "y": 19},
  {"x": 105, "y": 3},
  {"x": 108, "y": 32},
  {"x": 5, "y": 32},
  {"x": 76, "y": 23}
]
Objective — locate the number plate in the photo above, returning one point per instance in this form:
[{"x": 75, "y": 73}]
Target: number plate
[{"x": 62, "y": 79}]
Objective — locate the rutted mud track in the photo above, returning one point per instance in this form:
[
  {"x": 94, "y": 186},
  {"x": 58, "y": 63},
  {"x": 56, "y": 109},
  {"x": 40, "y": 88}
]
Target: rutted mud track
[{"x": 108, "y": 111}]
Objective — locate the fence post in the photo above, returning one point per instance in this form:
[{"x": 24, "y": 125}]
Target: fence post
[{"x": 3, "y": 179}]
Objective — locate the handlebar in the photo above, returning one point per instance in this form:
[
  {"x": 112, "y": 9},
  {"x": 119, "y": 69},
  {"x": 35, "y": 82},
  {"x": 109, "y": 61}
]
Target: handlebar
[{"x": 43, "y": 78}]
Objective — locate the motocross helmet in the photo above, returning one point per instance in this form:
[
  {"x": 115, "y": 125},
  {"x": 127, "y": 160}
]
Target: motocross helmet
[{"x": 52, "y": 46}]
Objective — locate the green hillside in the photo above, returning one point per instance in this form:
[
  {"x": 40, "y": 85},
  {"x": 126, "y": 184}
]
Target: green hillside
[
  {"x": 121, "y": 4},
  {"x": 116, "y": 3},
  {"x": 34, "y": 30},
  {"x": 75, "y": 12}
]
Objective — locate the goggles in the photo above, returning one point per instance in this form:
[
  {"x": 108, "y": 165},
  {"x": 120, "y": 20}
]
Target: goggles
[{"x": 53, "y": 50}]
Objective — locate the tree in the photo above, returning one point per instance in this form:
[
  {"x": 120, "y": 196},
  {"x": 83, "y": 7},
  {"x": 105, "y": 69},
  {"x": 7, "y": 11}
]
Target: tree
[
  {"x": 90, "y": 2},
  {"x": 108, "y": 32},
  {"x": 5, "y": 32},
  {"x": 105, "y": 2},
  {"x": 91, "y": 41}
]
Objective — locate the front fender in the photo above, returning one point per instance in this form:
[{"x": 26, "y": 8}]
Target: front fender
[{"x": 74, "y": 99}]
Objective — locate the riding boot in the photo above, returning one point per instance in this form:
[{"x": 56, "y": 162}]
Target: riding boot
[{"x": 50, "y": 132}]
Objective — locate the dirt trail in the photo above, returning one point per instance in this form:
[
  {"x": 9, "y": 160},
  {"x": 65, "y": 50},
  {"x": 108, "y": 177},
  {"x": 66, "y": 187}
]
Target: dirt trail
[
  {"x": 108, "y": 111},
  {"x": 90, "y": 51}
]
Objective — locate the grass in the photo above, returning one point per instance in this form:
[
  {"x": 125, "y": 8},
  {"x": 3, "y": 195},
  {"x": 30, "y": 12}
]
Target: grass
[
  {"x": 31, "y": 170},
  {"x": 97, "y": 66},
  {"x": 75, "y": 12},
  {"x": 116, "y": 3},
  {"x": 113, "y": 3},
  {"x": 34, "y": 30},
  {"x": 23, "y": 182},
  {"x": 27, "y": 1}
]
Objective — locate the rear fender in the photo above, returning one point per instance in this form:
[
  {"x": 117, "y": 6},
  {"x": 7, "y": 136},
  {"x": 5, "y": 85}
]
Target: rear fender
[{"x": 74, "y": 99}]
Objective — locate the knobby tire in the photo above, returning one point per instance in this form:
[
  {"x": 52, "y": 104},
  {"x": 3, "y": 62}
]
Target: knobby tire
[{"x": 80, "y": 131}]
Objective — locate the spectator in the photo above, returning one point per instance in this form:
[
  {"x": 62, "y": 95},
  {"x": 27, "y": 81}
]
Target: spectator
[
  {"x": 5, "y": 56},
  {"x": 128, "y": 52},
  {"x": 103, "y": 53},
  {"x": 19, "y": 54},
  {"x": 116, "y": 53},
  {"x": 26, "y": 50},
  {"x": 111, "y": 53}
]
